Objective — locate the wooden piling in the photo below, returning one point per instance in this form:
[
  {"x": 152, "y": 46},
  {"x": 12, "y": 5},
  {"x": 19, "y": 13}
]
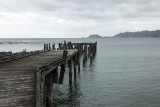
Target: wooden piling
[
  {"x": 70, "y": 70},
  {"x": 89, "y": 51},
  {"x": 53, "y": 46},
  {"x": 94, "y": 49},
  {"x": 62, "y": 74},
  {"x": 49, "y": 46},
  {"x": 49, "y": 89},
  {"x": 78, "y": 60},
  {"x": 65, "y": 46},
  {"x": 95, "y": 46},
  {"x": 86, "y": 51},
  {"x": 85, "y": 54},
  {"x": 75, "y": 59},
  {"x": 65, "y": 54},
  {"x": 60, "y": 46},
  {"x": 55, "y": 75},
  {"x": 83, "y": 58},
  {"x": 69, "y": 45}
]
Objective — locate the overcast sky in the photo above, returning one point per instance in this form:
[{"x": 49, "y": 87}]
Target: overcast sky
[{"x": 76, "y": 18}]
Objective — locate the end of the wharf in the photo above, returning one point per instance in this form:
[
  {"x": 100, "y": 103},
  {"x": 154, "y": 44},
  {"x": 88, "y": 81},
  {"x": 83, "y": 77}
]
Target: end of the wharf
[{"x": 47, "y": 75}]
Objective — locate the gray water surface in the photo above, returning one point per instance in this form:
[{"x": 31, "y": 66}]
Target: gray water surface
[{"x": 124, "y": 73}]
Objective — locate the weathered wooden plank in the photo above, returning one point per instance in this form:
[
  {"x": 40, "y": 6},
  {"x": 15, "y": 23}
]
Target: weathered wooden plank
[
  {"x": 18, "y": 78},
  {"x": 23, "y": 75}
]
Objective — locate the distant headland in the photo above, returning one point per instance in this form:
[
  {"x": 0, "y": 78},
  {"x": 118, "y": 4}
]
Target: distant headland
[
  {"x": 138, "y": 34},
  {"x": 94, "y": 36}
]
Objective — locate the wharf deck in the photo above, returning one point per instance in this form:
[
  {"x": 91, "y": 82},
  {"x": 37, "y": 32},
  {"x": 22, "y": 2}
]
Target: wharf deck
[{"x": 18, "y": 77}]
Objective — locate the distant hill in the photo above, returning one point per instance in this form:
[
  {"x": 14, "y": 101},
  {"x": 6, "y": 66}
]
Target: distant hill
[
  {"x": 140, "y": 34},
  {"x": 94, "y": 36}
]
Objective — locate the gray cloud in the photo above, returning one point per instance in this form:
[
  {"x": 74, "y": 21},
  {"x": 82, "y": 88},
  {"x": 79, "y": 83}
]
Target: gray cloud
[{"x": 84, "y": 16}]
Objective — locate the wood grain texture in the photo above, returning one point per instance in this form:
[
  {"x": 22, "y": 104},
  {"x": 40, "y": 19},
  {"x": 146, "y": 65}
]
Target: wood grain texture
[{"x": 18, "y": 78}]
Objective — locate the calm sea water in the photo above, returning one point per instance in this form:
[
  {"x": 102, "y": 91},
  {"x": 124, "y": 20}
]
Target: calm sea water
[{"x": 124, "y": 73}]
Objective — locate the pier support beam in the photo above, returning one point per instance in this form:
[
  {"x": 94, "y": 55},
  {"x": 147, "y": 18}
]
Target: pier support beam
[
  {"x": 55, "y": 75},
  {"x": 75, "y": 59},
  {"x": 49, "y": 89},
  {"x": 62, "y": 74},
  {"x": 47, "y": 47},
  {"x": 60, "y": 47},
  {"x": 85, "y": 54},
  {"x": 53, "y": 47},
  {"x": 65, "y": 54},
  {"x": 89, "y": 51},
  {"x": 65, "y": 45},
  {"x": 78, "y": 59},
  {"x": 70, "y": 70}
]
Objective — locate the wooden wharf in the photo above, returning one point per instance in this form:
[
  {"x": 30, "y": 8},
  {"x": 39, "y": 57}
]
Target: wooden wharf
[{"x": 26, "y": 78}]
